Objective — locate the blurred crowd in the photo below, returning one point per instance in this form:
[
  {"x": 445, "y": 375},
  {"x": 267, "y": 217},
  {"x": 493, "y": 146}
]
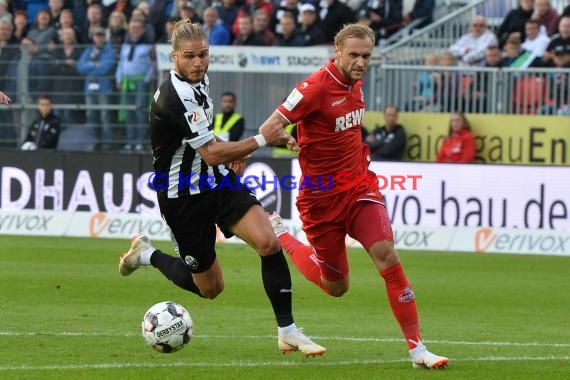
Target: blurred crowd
[{"x": 104, "y": 49}]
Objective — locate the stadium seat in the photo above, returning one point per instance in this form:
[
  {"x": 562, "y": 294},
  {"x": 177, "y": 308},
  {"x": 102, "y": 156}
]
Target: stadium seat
[
  {"x": 528, "y": 95},
  {"x": 76, "y": 137}
]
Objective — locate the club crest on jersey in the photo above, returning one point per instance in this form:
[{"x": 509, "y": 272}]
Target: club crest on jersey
[{"x": 351, "y": 119}]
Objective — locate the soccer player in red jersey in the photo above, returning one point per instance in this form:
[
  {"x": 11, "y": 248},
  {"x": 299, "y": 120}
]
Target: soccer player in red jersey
[{"x": 328, "y": 107}]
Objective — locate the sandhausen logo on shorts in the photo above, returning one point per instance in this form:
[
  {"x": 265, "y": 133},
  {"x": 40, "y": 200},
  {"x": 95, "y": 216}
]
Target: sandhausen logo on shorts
[{"x": 191, "y": 262}]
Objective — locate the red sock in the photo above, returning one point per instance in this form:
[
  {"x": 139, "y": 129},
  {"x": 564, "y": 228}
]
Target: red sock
[
  {"x": 303, "y": 258},
  {"x": 403, "y": 303}
]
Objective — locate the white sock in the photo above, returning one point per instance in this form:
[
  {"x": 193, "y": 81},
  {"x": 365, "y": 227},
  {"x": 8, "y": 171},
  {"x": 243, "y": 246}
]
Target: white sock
[
  {"x": 145, "y": 255},
  {"x": 282, "y": 331}
]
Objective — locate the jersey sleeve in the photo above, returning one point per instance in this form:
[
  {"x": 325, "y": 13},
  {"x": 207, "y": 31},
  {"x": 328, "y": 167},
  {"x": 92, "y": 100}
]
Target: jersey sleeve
[
  {"x": 302, "y": 101},
  {"x": 198, "y": 127}
]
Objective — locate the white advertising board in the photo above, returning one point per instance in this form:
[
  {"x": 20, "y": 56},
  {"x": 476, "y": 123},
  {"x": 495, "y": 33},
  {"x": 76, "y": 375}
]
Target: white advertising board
[
  {"x": 512, "y": 197},
  {"x": 255, "y": 59}
]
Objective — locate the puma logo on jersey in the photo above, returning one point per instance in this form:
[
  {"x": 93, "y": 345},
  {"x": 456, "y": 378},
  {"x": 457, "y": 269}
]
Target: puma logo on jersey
[{"x": 351, "y": 119}]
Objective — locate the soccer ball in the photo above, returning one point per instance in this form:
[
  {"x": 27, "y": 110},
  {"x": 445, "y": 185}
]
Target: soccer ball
[{"x": 167, "y": 327}]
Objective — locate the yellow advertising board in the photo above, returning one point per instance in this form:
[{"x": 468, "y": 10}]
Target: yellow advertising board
[{"x": 501, "y": 139}]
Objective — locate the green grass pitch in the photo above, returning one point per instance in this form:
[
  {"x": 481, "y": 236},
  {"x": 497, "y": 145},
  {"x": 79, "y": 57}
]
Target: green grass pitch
[{"x": 68, "y": 314}]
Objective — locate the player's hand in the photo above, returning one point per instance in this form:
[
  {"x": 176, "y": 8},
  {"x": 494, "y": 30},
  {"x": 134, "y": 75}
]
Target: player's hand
[
  {"x": 292, "y": 144},
  {"x": 274, "y": 134},
  {"x": 4, "y": 99},
  {"x": 238, "y": 166}
]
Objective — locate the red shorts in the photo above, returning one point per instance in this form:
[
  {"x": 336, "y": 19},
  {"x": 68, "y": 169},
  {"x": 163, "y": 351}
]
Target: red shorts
[{"x": 327, "y": 220}]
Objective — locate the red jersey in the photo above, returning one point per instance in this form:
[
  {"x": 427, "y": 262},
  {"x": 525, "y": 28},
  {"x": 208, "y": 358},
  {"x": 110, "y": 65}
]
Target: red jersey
[
  {"x": 459, "y": 147},
  {"x": 328, "y": 111}
]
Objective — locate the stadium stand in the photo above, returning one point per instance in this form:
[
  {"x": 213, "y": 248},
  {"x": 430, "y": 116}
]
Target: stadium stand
[{"x": 397, "y": 63}]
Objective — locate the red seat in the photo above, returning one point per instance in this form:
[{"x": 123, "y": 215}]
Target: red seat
[{"x": 528, "y": 95}]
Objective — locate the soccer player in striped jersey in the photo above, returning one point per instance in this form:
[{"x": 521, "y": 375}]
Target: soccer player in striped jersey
[
  {"x": 185, "y": 153},
  {"x": 328, "y": 107}
]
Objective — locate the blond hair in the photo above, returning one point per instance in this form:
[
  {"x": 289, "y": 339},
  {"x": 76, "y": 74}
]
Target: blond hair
[
  {"x": 185, "y": 30},
  {"x": 354, "y": 31}
]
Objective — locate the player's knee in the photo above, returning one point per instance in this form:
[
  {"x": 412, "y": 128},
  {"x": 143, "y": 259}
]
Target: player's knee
[
  {"x": 337, "y": 292},
  {"x": 337, "y": 288},
  {"x": 268, "y": 246},
  {"x": 211, "y": 292},
  {"x": 383, "y": 253}
]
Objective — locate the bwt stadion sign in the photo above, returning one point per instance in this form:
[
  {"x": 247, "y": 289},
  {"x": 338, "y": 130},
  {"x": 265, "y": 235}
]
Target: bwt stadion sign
[
  {"x": 94, "y": 182},
  {"x": 251, "y": 59}
]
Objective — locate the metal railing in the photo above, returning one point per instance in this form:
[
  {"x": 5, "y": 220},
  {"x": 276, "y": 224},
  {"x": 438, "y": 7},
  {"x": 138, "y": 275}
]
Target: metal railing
[
  {"x": 434, "y": 38},
  {"x": 473, "y": 90}
]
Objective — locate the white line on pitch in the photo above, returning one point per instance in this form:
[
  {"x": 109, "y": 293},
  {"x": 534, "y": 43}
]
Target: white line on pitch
[
  {"x": 342, "y": 338},
  {"x": 315, "y": 363}
]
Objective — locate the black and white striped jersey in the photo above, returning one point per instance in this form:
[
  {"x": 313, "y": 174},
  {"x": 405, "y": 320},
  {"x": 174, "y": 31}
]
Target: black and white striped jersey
[{"x": 181, "y": 116}]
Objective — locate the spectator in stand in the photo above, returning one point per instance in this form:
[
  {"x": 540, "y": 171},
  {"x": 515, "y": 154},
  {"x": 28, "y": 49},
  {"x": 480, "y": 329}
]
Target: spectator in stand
[
  {"x": 228, "y": 11},
  {"x": 424, "y": 85},
  {"x": 66, "y": 21},
  {"x": 546, "y": 15},
  {"x": 215, "y": 29},
  {"x": 123, "y": 6},
  {"x": 246, "y": 35},
  {"x": 384, "y": 16},
  {"x": 117, "y": 30},
  {"x": 168, "y": 28},
  {"x": 559, "y": 86},
  {"x": 67, "y": 83},
  {"x": 513, "y": 54},
  {"x": 94, "y": 20},
  {"x": 446, "y": 87},
  {"x": 422, "y": 10},
  {"x": 470, "y": 48},
  {"x": 96, "y": 64},
  {"x": 199, "y": 7},
  {"x": 293, "y": 6},
  {"x": 475, "y": 98},
  {"x": 21, "y": 25},
  {"x": 149, "y": 36},
  {"x": 251, "y": 6},
  {"x": 310, "y": 31},
  {"x": 334, "y": 14},
  {"x": 288, "y": 36},
  {"x": 558, "y": 43},
  {"x": 536, "y": 40},
  {"x": 31, "y": 7},
  {"x": 459, "y": 144},
  {"x": 37, "y": 69},
  {"x": 566, "y": 11},
  {"x": 44, "y": 131},
  {"x": 261, "y": 27},
  {"x": 515, "y": 21},
  {"x": 9, "y": 50},
  {"x": 55, "y": 7},
  {"x": 134, "y": 74},
  {"x": 387, "y": 143},
  {"x": 43, "y": 32},
  {"x": 4, "y": 13},
  {"x": 189, "y": 11}
]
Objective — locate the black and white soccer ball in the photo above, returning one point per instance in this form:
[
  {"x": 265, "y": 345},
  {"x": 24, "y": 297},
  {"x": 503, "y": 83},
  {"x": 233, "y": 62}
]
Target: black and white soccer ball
[{"x": 167, "y": 327}]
